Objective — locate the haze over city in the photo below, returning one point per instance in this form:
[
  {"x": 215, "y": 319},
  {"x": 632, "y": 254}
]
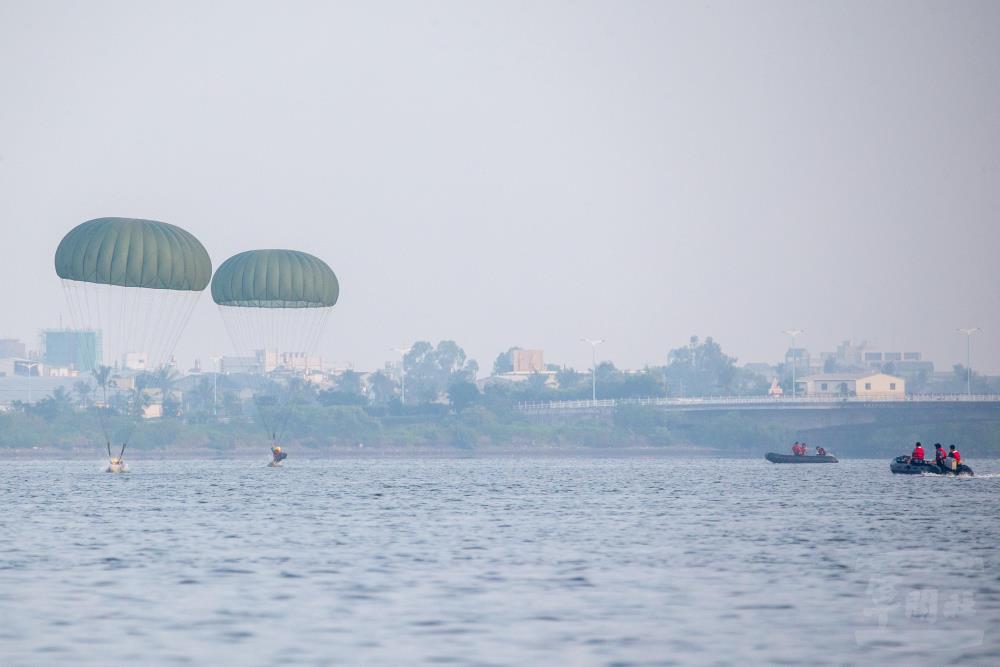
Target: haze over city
[
  {"x": 529, "y": 174},
  {"x": 499, "y": 332}
]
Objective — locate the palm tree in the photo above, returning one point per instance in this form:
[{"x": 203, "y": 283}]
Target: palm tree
[
  {"x": 102, "y": 374},
  {"x": 165, "y": 380},
  {"x": 198, "y": 399},
  {"x": 139, "y": 399},
  {"x": 83, "y": 391},
  {"x": 61, "y": 399}
]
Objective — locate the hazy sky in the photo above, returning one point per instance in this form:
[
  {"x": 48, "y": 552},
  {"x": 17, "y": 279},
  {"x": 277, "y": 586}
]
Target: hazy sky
[{"x": 527, "y": 173}]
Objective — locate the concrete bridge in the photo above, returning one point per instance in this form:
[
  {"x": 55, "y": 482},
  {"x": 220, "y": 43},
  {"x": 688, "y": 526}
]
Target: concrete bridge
[
  {"x": 766, "y": 403},
  {"x": 840, "y": 421}
]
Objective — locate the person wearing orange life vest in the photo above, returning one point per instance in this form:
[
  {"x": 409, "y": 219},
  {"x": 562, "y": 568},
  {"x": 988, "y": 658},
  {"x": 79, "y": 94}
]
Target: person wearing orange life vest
[
  {"x": 954, "y": 458},
  {"x": 796, "y": 449},
  {"x": 918, "y": 453}
]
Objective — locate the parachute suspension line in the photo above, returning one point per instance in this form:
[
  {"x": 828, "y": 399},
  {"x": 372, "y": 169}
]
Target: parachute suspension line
[
  {"x": 313, "y": 332},
  {"x": 85, "y": 315},
  {"x": 294, "y": 333},
  {"x": 127, "y": 320}
]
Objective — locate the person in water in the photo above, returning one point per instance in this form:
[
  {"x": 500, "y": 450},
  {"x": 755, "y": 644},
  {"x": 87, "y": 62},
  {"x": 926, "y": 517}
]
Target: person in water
[
  {"x": 918, "y": 453},
  {"x": 277, "y": 453}
]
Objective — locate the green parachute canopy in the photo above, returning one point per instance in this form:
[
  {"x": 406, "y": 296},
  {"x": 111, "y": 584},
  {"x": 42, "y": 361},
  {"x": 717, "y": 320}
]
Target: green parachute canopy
[
  {"x": 275, "y": 279},
  {"x": 134, "y": 253}
]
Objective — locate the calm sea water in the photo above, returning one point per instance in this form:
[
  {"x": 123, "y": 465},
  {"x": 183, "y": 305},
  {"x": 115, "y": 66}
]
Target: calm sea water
[{"x": 494, "y": 561}]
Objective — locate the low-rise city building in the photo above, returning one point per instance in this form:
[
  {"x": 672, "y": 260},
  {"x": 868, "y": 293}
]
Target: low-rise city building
[
  {"x": 873, "y": 385},
  {"x": 12, "y": 347}
]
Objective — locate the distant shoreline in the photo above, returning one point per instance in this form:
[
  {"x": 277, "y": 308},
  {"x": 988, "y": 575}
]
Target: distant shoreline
[{"x": 442, "y": 452}]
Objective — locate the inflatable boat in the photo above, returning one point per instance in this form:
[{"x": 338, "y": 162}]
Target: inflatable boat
[
  {"x": 793, "y": 458},
  {"x": 904, "y": 465}
]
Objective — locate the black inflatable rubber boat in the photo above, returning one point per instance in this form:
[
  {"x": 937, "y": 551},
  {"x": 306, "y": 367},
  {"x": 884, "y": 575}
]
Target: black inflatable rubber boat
[
  {"x": 904, "y": 465},
  {"x": 792, "y": 458}
]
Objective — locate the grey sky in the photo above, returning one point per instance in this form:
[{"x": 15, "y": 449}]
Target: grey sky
[{"x": 530, "y": 173}]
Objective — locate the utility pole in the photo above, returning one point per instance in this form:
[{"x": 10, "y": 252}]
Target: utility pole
[
  {"x": 403, "y": 351},
  {"x": 794, "y": 333},
  {"x": 594, "y": 342},
  {"x": 968, "y": 357}
]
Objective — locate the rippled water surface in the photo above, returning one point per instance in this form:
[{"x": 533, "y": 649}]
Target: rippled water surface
[{"x": 497, "y": 561}]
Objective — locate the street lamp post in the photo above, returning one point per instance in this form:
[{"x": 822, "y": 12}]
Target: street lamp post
[
  {"x": 968, "y": 357},
  {"x": 794, "y": 333},
  {"x": 403, "y": 351},
  {"x": 594, "y": 342},
  {"x": 215, "y": 385},
  {"x": 30, "y": 365}
]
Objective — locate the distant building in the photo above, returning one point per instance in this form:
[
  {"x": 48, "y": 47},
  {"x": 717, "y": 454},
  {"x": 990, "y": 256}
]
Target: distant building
[
  {"x": 875, "y": 359},
  {"x": 863, "y": 357},
  {"x": 799, "y": 357},
  {"x": 247, "y": 365},
  {"x": 850, "y": 355},
  {"x": 79, "y": 349},
  {"x": 527, "y": 361},
  {"x": 268, "y": 361},
  {"x": 11, "y": 366},
  {"x": 11, "y": 348},
  {"x": 298, "y": 361},
  {"x": 761, "y": 369},
  {"x": 873, "y": 385},
  {"x": 135, "y": 361},
  {"x": 906, "y": 364}
]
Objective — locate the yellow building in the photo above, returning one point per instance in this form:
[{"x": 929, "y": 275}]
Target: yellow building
[{"x": 865, "y": 385}]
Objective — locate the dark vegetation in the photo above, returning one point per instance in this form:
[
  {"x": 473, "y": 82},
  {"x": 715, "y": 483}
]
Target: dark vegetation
[{"x": 445, "y": 408}]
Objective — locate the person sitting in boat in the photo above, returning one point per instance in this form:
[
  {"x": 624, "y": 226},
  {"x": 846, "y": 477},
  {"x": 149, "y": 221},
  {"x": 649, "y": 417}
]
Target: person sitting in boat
[
  {"x": 796, "y": 448},
  {"x": 955, "y": 458},
  {"x": 940, "y": 456},
  {"x": 820, "y": 451},
  {"x": 918, "y": 453}
]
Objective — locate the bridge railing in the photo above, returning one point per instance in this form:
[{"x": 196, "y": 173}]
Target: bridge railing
[{"x": 783, "y": 401}]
